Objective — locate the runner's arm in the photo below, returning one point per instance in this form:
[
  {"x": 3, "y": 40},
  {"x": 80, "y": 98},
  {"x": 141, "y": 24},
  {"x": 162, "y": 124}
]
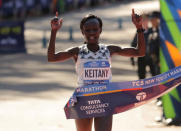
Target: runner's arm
[
  {"x": 132, "y": 51},
  {"x": 62, "y": 55},
  {"x": 138, "y": 51}
]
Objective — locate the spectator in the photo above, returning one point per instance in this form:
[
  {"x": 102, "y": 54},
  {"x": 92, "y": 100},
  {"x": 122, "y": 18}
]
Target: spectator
[
  {"x": 147, "y": 60},
  {"x": 0, "y": 8},
  {"x": 0, "y": 3},
  {"x": 60, "y": 6},
  {"x": 81, "y": 3},
  {"x": 7, "y": 8},
  {"x": 69, "y": 5},
  {"x": 45, "y": 6},
  {"x": 93, "y": 3},
  {"x": 19, "y": 9},
  {"x": 54, "y": 6},
  {"x": 154, "y": 41},
  {"x": 29, "y": 7}
]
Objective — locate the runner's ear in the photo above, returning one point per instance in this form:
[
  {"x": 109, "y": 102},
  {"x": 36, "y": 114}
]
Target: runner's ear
[
  {"x": 100, "y": 30},
  {"x": 82, "y": 32}
]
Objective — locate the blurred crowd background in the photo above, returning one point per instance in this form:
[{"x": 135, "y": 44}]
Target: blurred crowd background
[{"x": 13, "y": 9}]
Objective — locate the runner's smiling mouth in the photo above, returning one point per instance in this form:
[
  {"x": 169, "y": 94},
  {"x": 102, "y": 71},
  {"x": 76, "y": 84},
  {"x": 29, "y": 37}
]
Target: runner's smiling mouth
[{"x": 92, "y": 38}]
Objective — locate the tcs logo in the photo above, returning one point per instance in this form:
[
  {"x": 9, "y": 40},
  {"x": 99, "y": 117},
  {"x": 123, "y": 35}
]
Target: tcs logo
[{"x": 141, "y": 96}]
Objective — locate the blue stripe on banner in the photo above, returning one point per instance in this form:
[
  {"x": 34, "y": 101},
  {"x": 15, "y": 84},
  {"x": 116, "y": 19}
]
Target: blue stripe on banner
[
  {"x": 163, "y": 29},
  {"x": 163, "y": 37},
  {"x": 166, "y": 54},
  {"x": 170, "y": 2},
  {"x": 177, "y": 3},
  {"x": 172, "y": 5},
  {"x": 116, "y": 97}
]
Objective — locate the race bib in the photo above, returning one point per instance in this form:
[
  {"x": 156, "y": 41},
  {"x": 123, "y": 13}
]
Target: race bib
[{"x": 96, "y": 70}]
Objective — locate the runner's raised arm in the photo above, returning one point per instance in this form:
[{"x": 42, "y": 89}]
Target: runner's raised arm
[
  {"x": 56, "y": 24},
  {"x": 131, "y": 51}
]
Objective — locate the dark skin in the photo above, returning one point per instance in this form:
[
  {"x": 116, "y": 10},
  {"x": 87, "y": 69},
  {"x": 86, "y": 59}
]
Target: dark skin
[{"x": 91, "y": 32}]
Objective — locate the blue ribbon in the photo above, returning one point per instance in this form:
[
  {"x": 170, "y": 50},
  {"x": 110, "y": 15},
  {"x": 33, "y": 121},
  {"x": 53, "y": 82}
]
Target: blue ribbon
[{"x": 107, "y": 99}]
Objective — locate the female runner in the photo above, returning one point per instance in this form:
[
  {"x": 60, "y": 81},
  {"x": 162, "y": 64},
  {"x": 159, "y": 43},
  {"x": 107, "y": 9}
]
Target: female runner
[{"x": 92, "y": 51}]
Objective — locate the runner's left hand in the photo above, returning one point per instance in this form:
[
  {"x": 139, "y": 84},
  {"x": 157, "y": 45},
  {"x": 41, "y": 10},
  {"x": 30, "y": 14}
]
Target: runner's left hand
[{"x": 137, "y": 20}]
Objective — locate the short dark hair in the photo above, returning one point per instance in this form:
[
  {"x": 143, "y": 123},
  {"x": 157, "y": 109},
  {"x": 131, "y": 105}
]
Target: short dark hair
[
  {"x": 155, "y": 14},
  {"x": 90, "y": 16},
  {"x": 144, "y": 15}
]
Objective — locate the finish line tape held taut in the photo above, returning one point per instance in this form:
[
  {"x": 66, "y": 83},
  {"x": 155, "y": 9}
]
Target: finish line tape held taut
[{"x": 100, "y": 100}]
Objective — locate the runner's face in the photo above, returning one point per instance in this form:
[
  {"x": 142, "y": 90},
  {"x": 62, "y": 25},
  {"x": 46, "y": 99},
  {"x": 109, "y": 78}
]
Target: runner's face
[{"x": 91, "y": 31}]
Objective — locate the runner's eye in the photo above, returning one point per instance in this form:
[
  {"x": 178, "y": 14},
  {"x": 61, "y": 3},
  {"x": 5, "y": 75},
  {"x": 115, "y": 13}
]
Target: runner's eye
[
  {"x": 87, "y": 30},
  {"x": 91, "y": 30}
]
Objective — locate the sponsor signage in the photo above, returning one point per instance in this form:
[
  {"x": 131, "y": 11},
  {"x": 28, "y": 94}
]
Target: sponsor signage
[
  {"x": 12, "y": 37},
  {"x": 100, "y": 100}
]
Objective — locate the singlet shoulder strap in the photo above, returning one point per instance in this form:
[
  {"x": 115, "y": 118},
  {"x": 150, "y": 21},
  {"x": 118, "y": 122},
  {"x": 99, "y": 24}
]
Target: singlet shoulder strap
[
  {"x": 82, "y": 48},
  {"x": 103, "y": 48}
]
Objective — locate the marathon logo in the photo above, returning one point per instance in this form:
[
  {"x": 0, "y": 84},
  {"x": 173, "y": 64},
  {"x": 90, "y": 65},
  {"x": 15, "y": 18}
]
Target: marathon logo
[
  {"x": 96, "y": 64},
  {"x": 96, "y": 73}
]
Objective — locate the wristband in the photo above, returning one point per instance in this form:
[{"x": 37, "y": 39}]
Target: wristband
[{"x": 140, "y": 30}]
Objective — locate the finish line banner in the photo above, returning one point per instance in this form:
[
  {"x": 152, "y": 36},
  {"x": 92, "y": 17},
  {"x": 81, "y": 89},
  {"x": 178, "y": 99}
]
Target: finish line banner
[
  {"x": 101, "y": 100},
  {"x": 12, "y": 37}
]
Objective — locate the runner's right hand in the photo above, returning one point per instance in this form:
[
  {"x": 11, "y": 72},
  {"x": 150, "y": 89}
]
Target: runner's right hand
[{"x": 56, "y": 23}]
